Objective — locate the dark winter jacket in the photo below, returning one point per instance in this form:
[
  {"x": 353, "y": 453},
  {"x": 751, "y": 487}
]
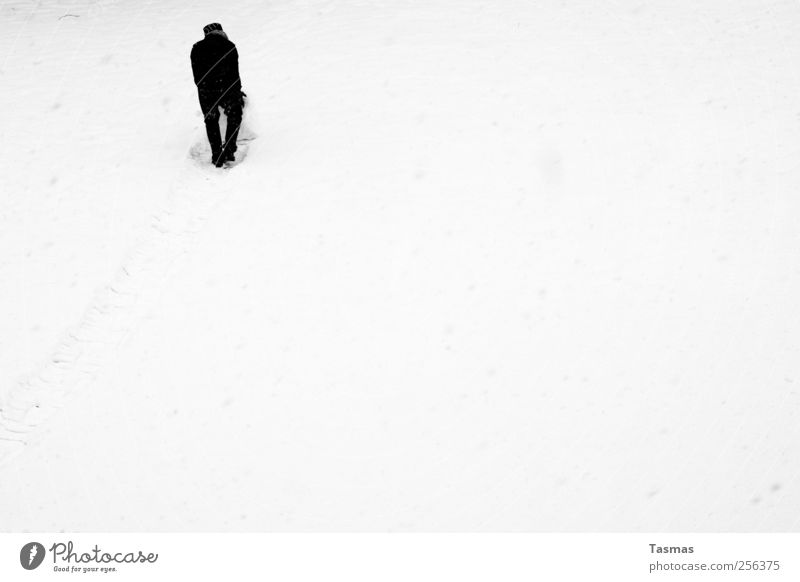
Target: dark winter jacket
[{"x": 215, "y": 64}]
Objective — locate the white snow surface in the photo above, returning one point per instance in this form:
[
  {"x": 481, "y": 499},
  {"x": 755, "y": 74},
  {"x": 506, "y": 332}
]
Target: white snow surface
[{"x": 489, "y": 266}]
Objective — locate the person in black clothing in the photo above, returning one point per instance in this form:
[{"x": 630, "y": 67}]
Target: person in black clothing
[{"x": 215, "y": 64}]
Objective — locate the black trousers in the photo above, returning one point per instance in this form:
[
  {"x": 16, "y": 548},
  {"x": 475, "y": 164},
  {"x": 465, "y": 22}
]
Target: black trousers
[{"x": 231, "y": 104}]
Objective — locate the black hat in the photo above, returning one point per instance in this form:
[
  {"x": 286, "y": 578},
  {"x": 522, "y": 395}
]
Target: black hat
[{"x": 211, "y": 27}]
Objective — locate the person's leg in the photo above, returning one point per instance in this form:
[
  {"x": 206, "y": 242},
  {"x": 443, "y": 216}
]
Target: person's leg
[
  {"x": 233, "y": 111},
  {"x": 210, "y": 106}
]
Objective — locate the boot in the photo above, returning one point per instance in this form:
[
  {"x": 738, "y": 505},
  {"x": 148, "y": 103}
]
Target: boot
[{"x": 218, "y": 158}]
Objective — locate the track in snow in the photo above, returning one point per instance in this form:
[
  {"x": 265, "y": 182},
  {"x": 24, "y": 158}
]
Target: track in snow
[{"x": 114, "y": 314}]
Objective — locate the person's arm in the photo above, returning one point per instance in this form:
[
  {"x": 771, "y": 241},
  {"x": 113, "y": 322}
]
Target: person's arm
[
  {"x": 196, "y": 72},
  {"x": 233, "y": 63}
]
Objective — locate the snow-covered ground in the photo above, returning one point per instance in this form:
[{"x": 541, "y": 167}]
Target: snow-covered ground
[{"x": 488, "y": 266}]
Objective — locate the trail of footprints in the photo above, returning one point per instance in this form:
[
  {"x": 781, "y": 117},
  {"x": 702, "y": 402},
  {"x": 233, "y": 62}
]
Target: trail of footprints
[{"x": 114, "y": 313}]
